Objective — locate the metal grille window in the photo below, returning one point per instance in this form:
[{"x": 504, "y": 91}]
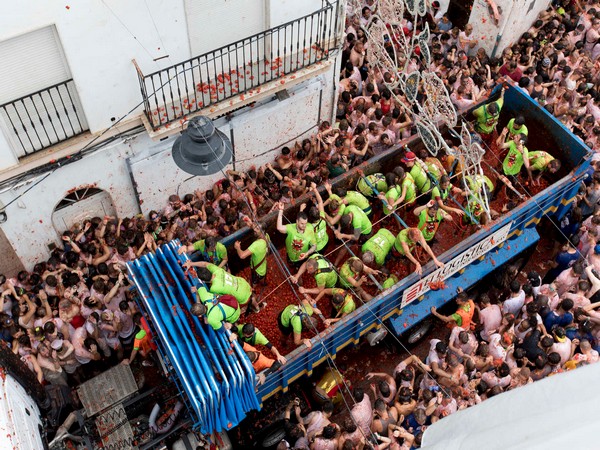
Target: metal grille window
[{"x": 39, "y": 105}]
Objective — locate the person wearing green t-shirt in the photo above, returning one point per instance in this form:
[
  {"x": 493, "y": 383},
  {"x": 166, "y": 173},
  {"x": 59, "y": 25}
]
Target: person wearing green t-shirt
[
  {"x": 542, "y": 162},
  {"x": 221, "y": 282},
  {"x": 418, "y": 172},
  {"x": 342, "y": 304},
  {"x": 405, "y": 243},
  {"x": 516, "y": 158},
  {"x": 258, "y": 251},
  {"x": 355, "y": 221},
  {"x": 366, "y": 183},
  {"x": 323, "y": 271},
  {"x": 248, "y": 333},
  {"x": 402, "y": 191},
  {"x": 389, "y": 282},
  {"x": 295, "y": 318},
  {"x": 216, "y": 312},
  {"x": 430, "y": 216},
  {"x": 316, "y": 216},
  {"x": 353, "y": 274},
  {"x": 300, "y": 241},
  {"x": 377, "y": 248},
  {"x": 442, "y": 192},
  {"x": 210, "y": 250},
  {"x": 337, "y": 202},
  {"x": 516, "y": 125},
  {"x": 486, "y": 117}
]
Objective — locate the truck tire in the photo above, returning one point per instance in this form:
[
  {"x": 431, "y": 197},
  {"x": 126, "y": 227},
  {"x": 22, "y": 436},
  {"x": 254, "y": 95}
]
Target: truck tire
[
  {"x": 419, "y": 331},
  {"x": 272, "y": 435}
]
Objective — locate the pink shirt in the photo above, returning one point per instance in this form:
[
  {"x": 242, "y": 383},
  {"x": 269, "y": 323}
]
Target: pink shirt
[
  {"x": 491, "y": 318},
  {"x": 363, "y": 414}
]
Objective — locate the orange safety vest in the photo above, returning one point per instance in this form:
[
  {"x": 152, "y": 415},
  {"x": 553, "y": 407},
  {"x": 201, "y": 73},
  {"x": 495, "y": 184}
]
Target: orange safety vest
[{"x": 466, "y": 316}]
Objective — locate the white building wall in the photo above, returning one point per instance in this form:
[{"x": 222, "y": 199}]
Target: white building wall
[
  {"x": 517, "y": 17},
  {"x": 258, "y": 134}
]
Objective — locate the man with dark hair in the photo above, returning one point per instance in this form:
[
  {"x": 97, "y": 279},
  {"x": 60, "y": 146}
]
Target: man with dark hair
[
  {"x": 463, "y": 317},
  {"x": 300, "y": 241},
  {"x": 362, "y": 411},
  {"x": 257, "y": 251},
  {"x": 216, "y": 310},
  {"x": 293, "y": 319},
  {"x": 248, "y": 333},
  {"x": 487, "y": 117},
  {"x": 562, "y": 317}
]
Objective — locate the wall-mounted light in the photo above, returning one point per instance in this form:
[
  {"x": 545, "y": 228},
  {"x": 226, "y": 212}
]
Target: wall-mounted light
[{"x": 202, "y": 149}]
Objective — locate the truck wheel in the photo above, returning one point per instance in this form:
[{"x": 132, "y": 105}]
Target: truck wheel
[
  {"x": 272, "y": 435},
  {"x": 419, "y": 331}
]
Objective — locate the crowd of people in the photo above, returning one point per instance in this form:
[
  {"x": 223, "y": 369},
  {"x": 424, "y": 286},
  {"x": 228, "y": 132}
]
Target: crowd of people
[{"x": 73, "y": 313}]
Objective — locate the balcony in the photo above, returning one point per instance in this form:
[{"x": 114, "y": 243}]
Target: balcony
[
  {"x": 234, "y": 75},
  {"x": 44, "y": 118}
]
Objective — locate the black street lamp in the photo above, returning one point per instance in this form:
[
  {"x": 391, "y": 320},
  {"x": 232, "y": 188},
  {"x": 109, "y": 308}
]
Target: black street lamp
[{"x": 202, "y": 149}]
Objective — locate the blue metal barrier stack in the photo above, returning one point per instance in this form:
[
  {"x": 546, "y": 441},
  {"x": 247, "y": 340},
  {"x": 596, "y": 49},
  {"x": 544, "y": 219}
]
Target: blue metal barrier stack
[{"x": 215, "y": 375}]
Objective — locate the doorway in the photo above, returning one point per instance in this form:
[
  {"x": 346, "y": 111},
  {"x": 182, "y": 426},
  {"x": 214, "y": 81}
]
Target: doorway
[
  {"x": 459, "y": 12},
  {"x": 81, "y": 204}
]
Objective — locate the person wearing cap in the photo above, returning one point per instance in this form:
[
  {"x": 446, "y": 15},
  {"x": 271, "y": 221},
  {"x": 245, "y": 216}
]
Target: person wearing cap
[
  {"x": 406, "y": 242},
  {"x": 486, "y": 117},
  {"x": 249, "y": 334},
  {"x": 210, "y": 249},
  {"x": 418, "y": 173},
  {"x": 216, "y": 310},
  {"x": 64, "y": 352}
]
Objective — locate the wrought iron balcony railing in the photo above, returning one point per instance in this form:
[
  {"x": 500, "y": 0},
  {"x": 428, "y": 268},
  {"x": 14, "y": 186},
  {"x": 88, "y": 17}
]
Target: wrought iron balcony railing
[
  {"x": 240, "y": 68},
  {"x": 44, "y": 118}
]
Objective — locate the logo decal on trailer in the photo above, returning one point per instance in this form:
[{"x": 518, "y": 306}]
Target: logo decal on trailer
[{"x": 456, "y": 264}]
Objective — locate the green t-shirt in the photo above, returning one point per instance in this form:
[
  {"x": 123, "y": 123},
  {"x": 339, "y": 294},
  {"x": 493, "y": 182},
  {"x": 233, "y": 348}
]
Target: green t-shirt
[
  {"x": 380, "y": 245},
  {"x": 429, "y": 225},
  {"x": 411, "y": 189},
  {"x": 539, "y": 160},
  {"x": 217, "y": 313},
  {"x": 433, "y": 166},
  {"x": 346, "y": 307},
  {"x": 225, "y": 283},
  {"x": 376, "y": 179},
  {"x": 474, "y": 207},
  {"x": 443, "y": 194},
  {"x": 391, "y": 281},
  {"x": 321, "y": 232},
  {"x": 214, "y": 257},
  {"x": 292, "y": 316},
  {"x": 391, "y": 196},
  {"x": 476, "y": 182},
  {"x": 359, "y": 219},
  {"x": 341, "y": 206},
  {"x": 297, "y": 243},
  {"x": 256, "y": 338},
  {"x": 420, "y": 176},
  {"x": 346, "y": 273},
  {"x": 259, "y": 256},
  {"x": 514, "y": 160},
  {"x": 325, "y": 276},
  {"x": 334, "y": 170},
  {"x": 486, "y": 122},
  {"x": 356, "y": 198},
  {"x": 512, "y": 132},
  {"x": 403, "y": 237},
  {"x": 204, "y": 295}
]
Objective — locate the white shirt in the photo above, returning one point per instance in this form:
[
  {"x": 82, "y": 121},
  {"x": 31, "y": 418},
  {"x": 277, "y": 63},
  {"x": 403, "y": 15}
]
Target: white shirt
[{"x": 513, "y": 305}]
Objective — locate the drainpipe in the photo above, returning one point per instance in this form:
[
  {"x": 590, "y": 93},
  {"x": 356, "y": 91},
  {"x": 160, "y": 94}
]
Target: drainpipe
[{"x": 501, "y": 32}]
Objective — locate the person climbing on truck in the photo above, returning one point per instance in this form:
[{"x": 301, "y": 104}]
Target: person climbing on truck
[
  {"x": 430, "y": 216},
  {"x": 406, "y": 242},
  {"x": 249, "y": 334},
  {"x": 486, "y": 117},
  {"x": 463, "y": 317},
  {"x": 294, "y": 318},
  {"x": 300, "y": 241},
  {"x": 210, "y": 249},
  {"x": 221, "y": 282},
  {"x": 541, "y": 162},
  {"x": 323, "y": 271},
  {"x": 257, "y": 251}
]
